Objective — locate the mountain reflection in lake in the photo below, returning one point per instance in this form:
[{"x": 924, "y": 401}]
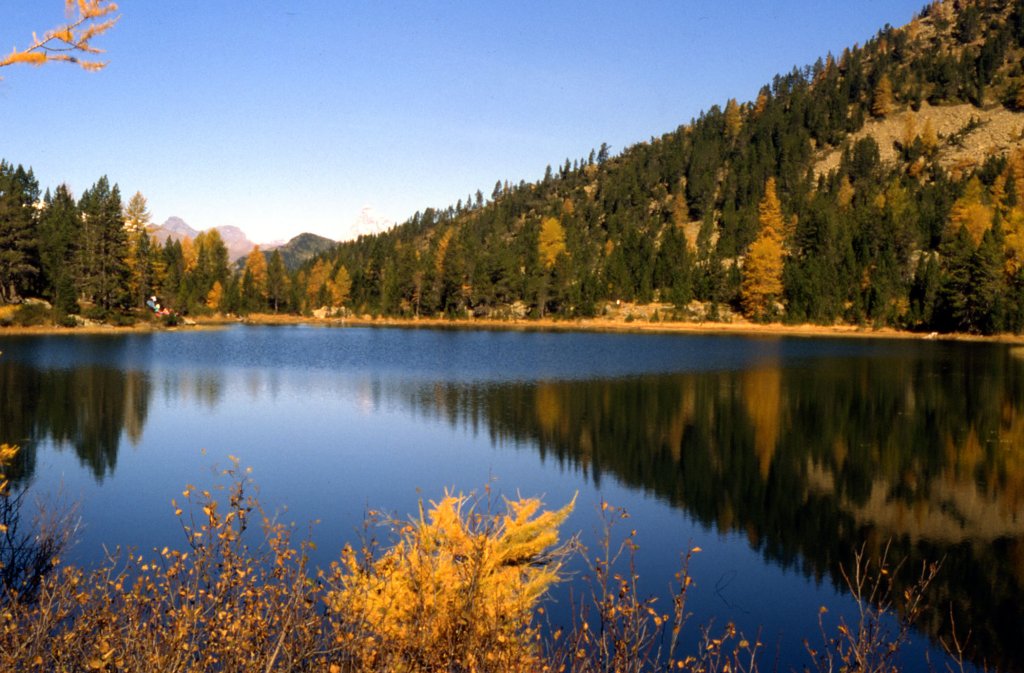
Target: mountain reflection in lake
[{"x": 779, "y": 456}]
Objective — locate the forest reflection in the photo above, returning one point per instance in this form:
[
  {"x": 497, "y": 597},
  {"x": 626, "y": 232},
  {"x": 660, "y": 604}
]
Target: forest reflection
[
  {"x": 809, "y": 460},
  {"x": 86, "y": 408}
]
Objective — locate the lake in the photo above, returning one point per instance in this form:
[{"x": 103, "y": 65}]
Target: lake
[{"x": 779, "y": 457}]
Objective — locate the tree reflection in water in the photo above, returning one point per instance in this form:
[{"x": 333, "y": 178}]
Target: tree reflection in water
[{"x": 809, "y": 460}]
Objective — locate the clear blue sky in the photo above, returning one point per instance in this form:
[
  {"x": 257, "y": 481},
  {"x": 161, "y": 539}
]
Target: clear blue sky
[{"x": 289, "y": 116}]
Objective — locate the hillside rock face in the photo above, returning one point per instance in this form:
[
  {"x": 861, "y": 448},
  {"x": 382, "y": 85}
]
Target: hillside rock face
[{"x": 967, "y": 135}]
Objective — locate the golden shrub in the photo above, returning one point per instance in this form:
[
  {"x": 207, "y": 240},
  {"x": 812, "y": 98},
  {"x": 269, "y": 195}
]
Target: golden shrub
[{"x": 458, "y": 589}]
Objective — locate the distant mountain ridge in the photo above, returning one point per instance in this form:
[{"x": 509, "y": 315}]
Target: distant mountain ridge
[
  {"x": 174, "y": 227},
  {"x": 302, "y": 248},
  {"x": 294, "y": 252}
]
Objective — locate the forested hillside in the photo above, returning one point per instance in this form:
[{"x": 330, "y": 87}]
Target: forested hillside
[
  {"x": 856, "y": 189},
  {"x": 737, "y": 209}
]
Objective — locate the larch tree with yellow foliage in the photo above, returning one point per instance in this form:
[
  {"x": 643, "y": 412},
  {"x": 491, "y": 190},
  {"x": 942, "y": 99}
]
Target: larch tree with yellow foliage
[
  {"x": 215, "y": 297},
  {"x": 71, "y": 42},
  {"x": 255, "y": 281},
  {"x": 141, "y": 251},
  {"x": 761, "y": 284},
  {"x": 551, "y": 243},
  {"x": 971, "y": 212},
  {"x": 457, "y": 591},
  {"x": 882, "y": 101},
  {"x": 317, "y": 292},
  {"x": 733, "y": 120},
  {"x": 341, "y": 286}
]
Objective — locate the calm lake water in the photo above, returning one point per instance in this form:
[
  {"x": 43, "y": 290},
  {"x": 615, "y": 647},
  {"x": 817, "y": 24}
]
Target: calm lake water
[{"x": 778, "y": 457}]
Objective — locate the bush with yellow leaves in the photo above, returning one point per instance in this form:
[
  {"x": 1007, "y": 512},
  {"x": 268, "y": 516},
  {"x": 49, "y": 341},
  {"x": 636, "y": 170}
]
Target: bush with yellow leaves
[{"x": 457, "y": 591}]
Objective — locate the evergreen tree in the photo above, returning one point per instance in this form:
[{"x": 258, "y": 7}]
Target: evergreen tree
[
  {"x": 58, "y": 233},
  {"x": 673, "y": 267},
  {"x": 953, "y": 309},
  {"x": 924, "y": 293},
  {"x": 19, "y": 263},
  {"x": 141, "y": 267},
  {"x": 985, "y": 301},
  {"x": 211, "y": 266},
  {"x": 103, "y": 247},
  {"x": 277, "y": 281},
  {"x": 173, "y": 290}
]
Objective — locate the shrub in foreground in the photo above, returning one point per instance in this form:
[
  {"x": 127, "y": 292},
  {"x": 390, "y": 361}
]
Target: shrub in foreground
[
  {"x": 457, "y": 588},
  {"x": 457, "y": 591}
]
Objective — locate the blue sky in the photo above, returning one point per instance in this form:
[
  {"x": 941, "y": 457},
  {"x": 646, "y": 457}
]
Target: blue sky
[{"x": 289, "y": 116}]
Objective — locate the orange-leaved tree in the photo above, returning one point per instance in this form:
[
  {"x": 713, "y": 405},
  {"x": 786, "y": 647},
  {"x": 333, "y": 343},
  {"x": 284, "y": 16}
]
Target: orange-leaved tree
[
  {"x": 762, "y": 269},
  {"x": 69, "y": 42}
]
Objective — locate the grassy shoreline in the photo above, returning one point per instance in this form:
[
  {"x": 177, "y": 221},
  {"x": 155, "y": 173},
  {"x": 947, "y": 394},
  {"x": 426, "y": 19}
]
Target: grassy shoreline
[{"x": 736, "y": 327}]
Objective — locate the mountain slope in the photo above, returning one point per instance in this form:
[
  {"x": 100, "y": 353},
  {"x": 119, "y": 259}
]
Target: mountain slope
[
  {"x": 302, "y": 248},
  {"x": 173, "y": 228},
  {"x": 897, "y": 166}
]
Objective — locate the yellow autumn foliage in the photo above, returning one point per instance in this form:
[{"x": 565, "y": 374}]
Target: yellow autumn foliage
[
  {"x": 971, "y": 211},
  {"x": 761, "y": 283},
  {"x": 68, "y": 42},
  {"x": 7, "y": 454},
  {"x": 551, "y": 242},
  {"x": 215, "y": 296},
  {"x": 458, "y": 589}
]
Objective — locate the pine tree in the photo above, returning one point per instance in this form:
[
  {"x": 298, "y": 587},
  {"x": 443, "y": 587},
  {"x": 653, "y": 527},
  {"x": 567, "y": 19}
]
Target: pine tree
[
  {"x": 19, "y": 263},
  {"x": 211, "y": 262},
  {"x": 987, "y": 288},
  {"x": 142, "y": 272},
  {"x": 953, "y": 309},
  {"x": 277, "y": 280},
  {"x": 673, "y": 267},
  {"x": 58, "y": 230},
  {"x": 103, "y": 247}
]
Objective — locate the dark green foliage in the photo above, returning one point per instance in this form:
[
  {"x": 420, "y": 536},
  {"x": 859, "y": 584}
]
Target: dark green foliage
[
  {"x": 301, "y": 248},
  {"x": 19, "y": 263},
  {"x": 58, "y": 234},
  {"x": 30, "y": 315},
  {"x": 103, "y": 247}
]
